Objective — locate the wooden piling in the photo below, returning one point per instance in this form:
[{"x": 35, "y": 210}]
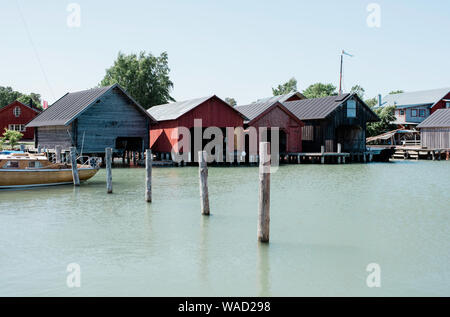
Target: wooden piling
[
  {"x": 58, "y": 153},
  {"x": 339, "y": 150},
  {"x": 39, "y": 149},
  {"x": 148, "y": 175},
  {"x": 73, "y": 158},
  {"x": 264, "y": 192},
  {"x": 203, "y": 176},
  {"x": 322, "y": 152},
  {"x": 108, "y": 159}
]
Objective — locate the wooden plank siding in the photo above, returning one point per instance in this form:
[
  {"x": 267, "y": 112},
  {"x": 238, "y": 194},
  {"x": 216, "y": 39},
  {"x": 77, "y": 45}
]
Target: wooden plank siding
[
  {"x": 52, "y": 136},
  {"x": 435, "y": 138}
]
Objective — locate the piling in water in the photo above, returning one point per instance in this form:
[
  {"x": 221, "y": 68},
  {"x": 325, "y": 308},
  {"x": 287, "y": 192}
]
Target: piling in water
[
  {"x": 58, "y": 153},
  {"x": 108, "y": 159},
  {"x": 264, "y": 192},
  {"x": 73, "y": 159},
  {"x": 148, "y": 175},
  {"x": 203, "y": 176}
]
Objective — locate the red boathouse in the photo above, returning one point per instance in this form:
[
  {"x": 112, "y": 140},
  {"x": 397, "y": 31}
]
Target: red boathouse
[
  {"x": 15, "y": 116},
  {"x": 212, "y": 111}
]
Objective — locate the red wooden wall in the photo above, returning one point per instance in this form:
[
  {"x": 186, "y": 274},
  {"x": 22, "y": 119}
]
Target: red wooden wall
[
  {"x": 440, "y": 104},
  {"x": 7, "y": 117},
  {"x": 214, "y": 113}
]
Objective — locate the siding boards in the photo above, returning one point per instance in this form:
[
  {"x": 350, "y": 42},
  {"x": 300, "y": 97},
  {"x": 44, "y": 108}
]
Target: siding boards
[
  {"x": 435, "y": 138},
  {"x": 55, "y": 135}
]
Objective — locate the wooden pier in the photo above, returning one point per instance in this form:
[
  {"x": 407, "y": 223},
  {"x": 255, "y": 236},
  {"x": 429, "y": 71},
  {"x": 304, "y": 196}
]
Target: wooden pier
[{"x": 417, "y": 153}]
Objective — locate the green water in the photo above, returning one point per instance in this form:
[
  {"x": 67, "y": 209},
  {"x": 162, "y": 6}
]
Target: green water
[{"x": 327, "y": 224}]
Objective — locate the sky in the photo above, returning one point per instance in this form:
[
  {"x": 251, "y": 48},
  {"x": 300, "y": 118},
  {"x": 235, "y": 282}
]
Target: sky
[{"x": 239, "y": 49}]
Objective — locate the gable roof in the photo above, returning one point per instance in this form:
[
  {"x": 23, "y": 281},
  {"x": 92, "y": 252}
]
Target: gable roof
[
  {"x": 439, "y": 119},
  {"x": 256, "y": 109},
  {"x": 71, "y": 105},
  {"x": 321, "y": 108},
  {"x": 174, "y": 110},
  {"x": 16, "y": 103},
  {"x": 281, "y": 98},
  {"x": 415, "y": 98}
]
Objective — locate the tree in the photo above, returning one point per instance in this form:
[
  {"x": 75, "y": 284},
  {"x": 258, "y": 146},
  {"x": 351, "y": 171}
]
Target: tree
[
  {"x": 287, "y": 87},
  {"x": 372, "y": 102},
  {"x": 12, "y": 137},
  {"x": 396, "y": 92},
  {"x": 8, "y": 95},
  {"x": 387, "y": 117},
  {"x": 145, "y": 77},
  {"x": 230, "y": 101},
  {"x": 319, "y": 90},
  {"x": 357, "y": 89}
]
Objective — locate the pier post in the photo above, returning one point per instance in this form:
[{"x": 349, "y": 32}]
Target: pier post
[
  {"x": 39, "y": 149},
  {"x": 432, "y": 155},
  {"x": 203, "y": 176},
  {"x": 148, "y": 175},
  {"x": 322, "y": 152},
  {"x": 264, "y": 192},
  {"x": 73, "y": 158},
  {"x": 339, "y": 150},
  {"x": 58, "y": 153},
  {"x": 108, "y": 159}
]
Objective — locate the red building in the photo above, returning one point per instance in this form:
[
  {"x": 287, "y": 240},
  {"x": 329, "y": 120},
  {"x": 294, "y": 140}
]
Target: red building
[
  {"x": 273, "y": 114},
  {"x": 15, "y": 116},
  {"x": 212, "y": 111}
]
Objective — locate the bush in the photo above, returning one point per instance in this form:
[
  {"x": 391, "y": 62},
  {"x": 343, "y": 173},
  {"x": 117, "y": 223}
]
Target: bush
[{"x": 12, "y": 137}]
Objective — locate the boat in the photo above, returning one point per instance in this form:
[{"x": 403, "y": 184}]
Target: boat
[{"x": 20, "y": 170}]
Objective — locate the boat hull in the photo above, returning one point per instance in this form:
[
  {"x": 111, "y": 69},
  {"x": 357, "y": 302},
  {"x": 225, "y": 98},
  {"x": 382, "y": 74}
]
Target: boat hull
[{"x": 41, "y": 177}]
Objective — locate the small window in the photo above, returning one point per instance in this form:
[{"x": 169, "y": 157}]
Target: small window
[
  {"x": 422, "y": 112},
  {"x": 11, "y": 164},
  {"x": 351, "y": 109},
  {"x": 17, "y": 111},
  {"x": 414, "y": 113},
  {"x": 35, "y": 164},
  {"x": 22, "y": 128},
  {"x": 402, "y": 112},
  {"x": 447, "y": 105}
]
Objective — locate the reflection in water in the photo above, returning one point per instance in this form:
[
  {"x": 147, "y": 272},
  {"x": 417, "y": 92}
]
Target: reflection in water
[
  {"x": 203, "y": 251},
  {"x": 263, "y": 269}
]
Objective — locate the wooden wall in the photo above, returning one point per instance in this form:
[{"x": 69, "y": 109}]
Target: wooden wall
[
  {"x": 7, "y": 117},
  {"x": 435, "y": 138},
  {"x": 55, "y": 135}
]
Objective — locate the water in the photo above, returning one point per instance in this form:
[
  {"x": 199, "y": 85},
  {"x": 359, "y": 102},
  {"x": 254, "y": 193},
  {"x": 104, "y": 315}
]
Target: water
[{"x": 327, "y": 224}]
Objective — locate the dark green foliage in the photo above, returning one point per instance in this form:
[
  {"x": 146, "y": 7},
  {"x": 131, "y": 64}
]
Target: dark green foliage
[
  {"x": 287, "y": 87},
  {"x": 319, "y": 90}
]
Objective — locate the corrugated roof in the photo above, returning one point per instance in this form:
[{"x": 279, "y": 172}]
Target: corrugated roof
[
  {"x": 71, "y": 105},
  {"x": 415, "y": 98},
  {"x": 280, "y": 98},
  {"x": 315, "y": 108},
  {"x": 174, "y": 110},
  {"x": 253, "y": 110},
  {"x": 439, "y": 119}
]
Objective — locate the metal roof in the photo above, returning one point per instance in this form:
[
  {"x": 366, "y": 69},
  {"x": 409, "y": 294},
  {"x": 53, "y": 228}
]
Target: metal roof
[
  {"x": 281, "y": 98},
  {"x": 71, "y": 105},
  {"x": 415, "y": 98},
  {"x": 315, "y": 108},
  {"x": 174, "y": 110},
  {"x": 253, "y": 110},
  {"x": 439, "y": 119}
]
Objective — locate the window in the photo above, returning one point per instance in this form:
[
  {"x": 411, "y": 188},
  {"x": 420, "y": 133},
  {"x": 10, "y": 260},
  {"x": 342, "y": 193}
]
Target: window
[
  {"x": 413, "y": 112},
  {"x": 17, "y": 127},
  {"x": 11, "y": 164},
  {"x": 351, "y": 109},
  {"x": 34, "y": 164},
  {"x": 447, "y": 105},
  {"x": 402, "y": 112},
  {"x": 17, "y": 111},
  {"x": 422, "y": 112}
]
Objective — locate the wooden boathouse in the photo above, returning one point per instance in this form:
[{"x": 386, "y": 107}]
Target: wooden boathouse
[
  {"x": 435, "y": 131},
  {"x": 211, "y": 110},
  {"x": 333, "y": 120},
  {"x": 15, "y": 116},
  {"x": 271, "y": 114},
  {"x": 92, "y": 120}
]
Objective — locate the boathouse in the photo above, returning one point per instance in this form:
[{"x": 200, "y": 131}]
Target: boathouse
[
  {"x": 412, "y": 108},
  {"x": 332, "y": 120},
  {"x": 15, "y": 116},
  {"x": 435, "y": 130},
  {"x": 271, "y": 114},
  {"x": 292, "y": 96},
  {"x": 208, "y": 111},
  {"x": 92, "y": 120}
]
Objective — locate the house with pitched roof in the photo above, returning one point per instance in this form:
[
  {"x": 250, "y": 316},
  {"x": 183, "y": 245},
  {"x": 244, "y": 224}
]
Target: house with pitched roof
[
  {"x": 435, "y": 130},
  {"x": 412, "y": 108},
  {"x": 15, "y": 116},
  {"x": 92, "y": 120}
]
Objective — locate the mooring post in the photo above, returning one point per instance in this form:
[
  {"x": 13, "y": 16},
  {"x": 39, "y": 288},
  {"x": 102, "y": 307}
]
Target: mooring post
[
  {"x": 58, "y": 153},
  {"x": 339, "y": 150},
  {"x": 203, "y": 175},
  {"x": 108, "y": 159},
  {"x": 148, "y": 175},
  {"x": 73, "y": 158},
  {"x": 322, "y": 152},
  {"x": 39, "y": 149},
  {"x": 432, "y": 155},
  {"x": 264, "y": 192}
]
